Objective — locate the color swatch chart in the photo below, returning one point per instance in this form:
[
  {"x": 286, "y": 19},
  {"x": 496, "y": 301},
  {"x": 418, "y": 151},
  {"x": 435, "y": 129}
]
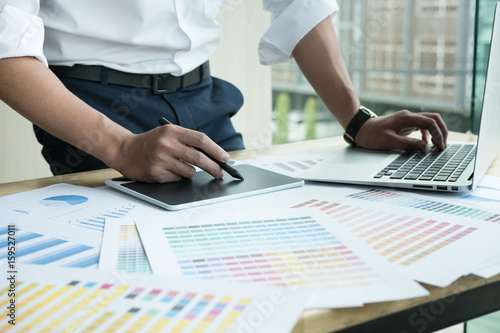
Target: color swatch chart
[
  {"x": 293, "y": 250},
  {"x": 417, "y": 241},
  {"x": 43, "y": 249},
  {"x": 403, "y": 239},
  {"x": 95, "y": 302},
  {"x": 405, "y": 200}
]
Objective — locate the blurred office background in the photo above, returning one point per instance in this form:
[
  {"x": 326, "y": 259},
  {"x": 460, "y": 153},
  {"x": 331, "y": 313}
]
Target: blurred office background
[{"x": 420, "y": 55}]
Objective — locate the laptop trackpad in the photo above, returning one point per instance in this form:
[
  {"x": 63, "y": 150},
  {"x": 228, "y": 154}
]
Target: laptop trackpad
[{"x": 360, "y": 157}]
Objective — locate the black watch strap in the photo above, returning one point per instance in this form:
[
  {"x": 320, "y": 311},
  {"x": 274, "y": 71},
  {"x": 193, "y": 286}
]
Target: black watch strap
[{"x": 355, "y": 124}]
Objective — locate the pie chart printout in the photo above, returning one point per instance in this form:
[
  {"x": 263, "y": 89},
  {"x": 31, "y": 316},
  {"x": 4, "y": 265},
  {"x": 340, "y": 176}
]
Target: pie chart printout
[{"x": 63, "y": 200}]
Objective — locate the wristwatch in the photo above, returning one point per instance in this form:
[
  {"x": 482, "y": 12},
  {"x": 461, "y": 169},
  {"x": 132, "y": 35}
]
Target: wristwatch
[{"x": 355, "y": 124}]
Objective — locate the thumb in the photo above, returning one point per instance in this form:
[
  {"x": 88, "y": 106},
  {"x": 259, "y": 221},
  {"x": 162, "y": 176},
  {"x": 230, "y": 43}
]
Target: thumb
[{"x": 406, "y": 143}]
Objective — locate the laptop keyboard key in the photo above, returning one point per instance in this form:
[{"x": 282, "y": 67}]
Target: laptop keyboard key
[{"x": 433, "y": 165}]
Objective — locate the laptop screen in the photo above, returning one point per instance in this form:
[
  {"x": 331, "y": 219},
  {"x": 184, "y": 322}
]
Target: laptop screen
[{"x": 488, "y": 145}]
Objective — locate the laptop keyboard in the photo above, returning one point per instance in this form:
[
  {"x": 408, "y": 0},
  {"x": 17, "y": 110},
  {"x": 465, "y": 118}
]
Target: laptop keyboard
[{"x": 435, "y": 165}]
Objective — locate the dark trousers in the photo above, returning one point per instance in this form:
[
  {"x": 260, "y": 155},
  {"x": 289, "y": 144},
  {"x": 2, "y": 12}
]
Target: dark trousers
[{"x": 206, "y": 107}]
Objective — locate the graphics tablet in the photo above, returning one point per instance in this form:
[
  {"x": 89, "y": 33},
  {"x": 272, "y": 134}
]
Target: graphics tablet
[{"x": 203, "y": 189}]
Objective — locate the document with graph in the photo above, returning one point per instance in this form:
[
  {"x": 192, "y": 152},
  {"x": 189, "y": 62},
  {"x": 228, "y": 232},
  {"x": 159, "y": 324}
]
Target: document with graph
[
  {"x": 44, "y": 242},
  {"x": 80, "y": 207}
]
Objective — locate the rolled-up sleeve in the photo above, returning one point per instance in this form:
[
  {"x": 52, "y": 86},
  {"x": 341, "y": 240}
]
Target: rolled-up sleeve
[
  {"x": 21, "y": 30},
  {"x": 293, "y": 19}
]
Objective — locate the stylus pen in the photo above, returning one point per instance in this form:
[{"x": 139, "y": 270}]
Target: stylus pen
[{"x": 226, "y": 167}]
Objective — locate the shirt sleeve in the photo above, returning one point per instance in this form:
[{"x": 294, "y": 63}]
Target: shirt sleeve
[
  {"x": 293, "y": 19},
  {"x": 21, "y": 30}
]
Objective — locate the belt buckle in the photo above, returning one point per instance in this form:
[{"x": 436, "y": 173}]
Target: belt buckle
[{"x": 157, "y": 78}]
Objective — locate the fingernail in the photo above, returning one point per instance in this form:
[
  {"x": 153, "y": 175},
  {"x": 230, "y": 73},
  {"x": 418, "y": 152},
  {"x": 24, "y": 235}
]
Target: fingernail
[
  {"x": 225, "y": 157},
  {"x": 221, "y": 175}
]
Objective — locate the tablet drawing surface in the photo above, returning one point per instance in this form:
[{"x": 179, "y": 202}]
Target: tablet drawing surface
[{"x": 204, "y": 189}]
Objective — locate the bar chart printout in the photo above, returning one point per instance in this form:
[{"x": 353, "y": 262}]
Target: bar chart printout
[
  {"x": 122, "y": 249},
  {"x": 43, "y": 242},
  {"x": 72, "y": 300},
  {"x": 418, "y": 241},
  {"x": 284, "y": 248},
  {"x": 290, "y": 165}
]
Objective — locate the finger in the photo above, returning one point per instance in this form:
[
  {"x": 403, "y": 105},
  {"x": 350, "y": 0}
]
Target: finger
[
  {"x": 407, "y": 143},
  {"x": 203, "y": 142},
  {"x": 180, "y": 145},
  {"x": 426, "y": 136},
  {"x": 426, "y": 123},
  {"x": 200, "y": 140},
  {"x": 167, "y": 168},
  {"x": 199, "y": 159},
  {"x": 207, "y": 151},
  {"x": 440, "y": 122},
  {"x": 180, "y": 168}
]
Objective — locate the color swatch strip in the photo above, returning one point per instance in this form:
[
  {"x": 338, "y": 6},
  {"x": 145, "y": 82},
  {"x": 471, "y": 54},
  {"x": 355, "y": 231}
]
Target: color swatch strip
[
  {"x": 403, "y": 200},
  {"x": 131, "y": 255}
]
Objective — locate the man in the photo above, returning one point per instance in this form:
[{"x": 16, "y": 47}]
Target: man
[{"x": 120, "y": 64}]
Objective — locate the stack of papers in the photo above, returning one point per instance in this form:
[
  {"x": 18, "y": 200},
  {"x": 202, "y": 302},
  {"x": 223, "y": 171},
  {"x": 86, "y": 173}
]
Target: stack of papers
[{"x": 318, "y": 246}]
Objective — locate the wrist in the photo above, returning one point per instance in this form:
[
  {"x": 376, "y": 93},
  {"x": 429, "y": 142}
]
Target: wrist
[
  {"x": 107, "y": 142},
  {"x": 362, "y": 115}
]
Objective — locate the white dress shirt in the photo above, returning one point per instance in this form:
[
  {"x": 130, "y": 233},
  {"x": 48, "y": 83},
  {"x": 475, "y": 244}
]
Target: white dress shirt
[{"x": 142, "y": 36}]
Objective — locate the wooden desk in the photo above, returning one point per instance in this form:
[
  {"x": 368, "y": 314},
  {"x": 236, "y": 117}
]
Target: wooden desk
[{"x": 467, "y": 298}]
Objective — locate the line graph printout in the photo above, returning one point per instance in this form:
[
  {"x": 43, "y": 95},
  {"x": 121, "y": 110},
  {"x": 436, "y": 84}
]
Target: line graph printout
[
  {"x": 284, "y": 247},
  {"x": 73, "y": 300},
  {"x": 122, "y": 249},
  {"x": 43, "y": 242},
  {"x": 422, "y": 243},
  {"x": 81, "y": 207}
]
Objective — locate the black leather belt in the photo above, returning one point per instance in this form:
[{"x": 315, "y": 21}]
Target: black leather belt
[{"x": 158, "y": 83}]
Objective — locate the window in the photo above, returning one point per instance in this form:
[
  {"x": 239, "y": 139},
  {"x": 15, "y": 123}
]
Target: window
[
  {"x": 414, "y": 55},
  {"x": 482, "y": 36}
]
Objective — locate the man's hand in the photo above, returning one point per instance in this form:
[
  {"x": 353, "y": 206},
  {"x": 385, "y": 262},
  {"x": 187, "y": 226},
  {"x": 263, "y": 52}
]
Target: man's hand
[
  {"x": 391, "y": 131},
  {"x": 164, "y": 154}
]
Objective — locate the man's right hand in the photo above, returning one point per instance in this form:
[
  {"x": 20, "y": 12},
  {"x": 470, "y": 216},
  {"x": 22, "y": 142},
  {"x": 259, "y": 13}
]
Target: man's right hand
[
  {"x": 160, "y": 155},
  {"x": 164, "y": 154}
]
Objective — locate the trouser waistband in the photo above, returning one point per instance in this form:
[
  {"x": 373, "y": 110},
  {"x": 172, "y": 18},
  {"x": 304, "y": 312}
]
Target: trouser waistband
[{"x": 158, "y": 83}]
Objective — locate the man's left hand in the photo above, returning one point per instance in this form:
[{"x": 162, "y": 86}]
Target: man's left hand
[{"x": 391, "y": 131}]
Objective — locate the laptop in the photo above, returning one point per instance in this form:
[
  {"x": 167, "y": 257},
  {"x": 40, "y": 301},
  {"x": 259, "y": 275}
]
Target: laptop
[{"x": 459, "y": 168}]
